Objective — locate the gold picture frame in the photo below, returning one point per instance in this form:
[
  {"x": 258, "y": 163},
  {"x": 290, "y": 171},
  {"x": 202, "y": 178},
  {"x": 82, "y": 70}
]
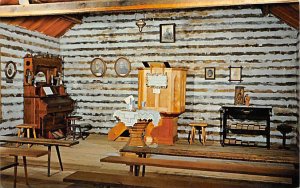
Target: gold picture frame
[
  {"x": 98, "y": 67},
  {"x": 122, "y": 67}
]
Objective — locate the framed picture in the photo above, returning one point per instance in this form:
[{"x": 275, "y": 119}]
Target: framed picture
[
  {"x": 210, "y": 73},
  {"x": 235, "y": 73},
  {"x": 122, "y": 67},
  {"x": 167, "y": 33},
  {"x": 98, "y": 67},
  {"x": 10, "y": 70}
]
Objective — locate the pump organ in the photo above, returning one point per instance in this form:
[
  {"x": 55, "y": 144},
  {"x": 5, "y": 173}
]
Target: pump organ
[{"x": 46, "y": 102}]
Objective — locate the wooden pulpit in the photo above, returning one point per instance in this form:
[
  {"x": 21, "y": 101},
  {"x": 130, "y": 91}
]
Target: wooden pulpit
[{"x": 163, "y": 89}]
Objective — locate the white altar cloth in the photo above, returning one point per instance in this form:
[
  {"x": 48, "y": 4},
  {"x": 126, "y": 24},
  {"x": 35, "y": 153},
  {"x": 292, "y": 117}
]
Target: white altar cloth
[{"x": 129, "y": 118}]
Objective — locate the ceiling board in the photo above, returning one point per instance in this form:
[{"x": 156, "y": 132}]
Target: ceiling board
[
  {"x": 76, "y": 7},
  {"x": 56, "y": 25}
]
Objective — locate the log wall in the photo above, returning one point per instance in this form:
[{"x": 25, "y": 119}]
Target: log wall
[
  {"x": 222, "y": 37},
  {"x": 15, "y": 43}
]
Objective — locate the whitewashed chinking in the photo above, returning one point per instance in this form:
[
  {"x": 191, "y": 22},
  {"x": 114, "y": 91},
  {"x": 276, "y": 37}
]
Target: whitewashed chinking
[
  {"x": 219, "y": 37},
  {"x": 15, "y": 42}
]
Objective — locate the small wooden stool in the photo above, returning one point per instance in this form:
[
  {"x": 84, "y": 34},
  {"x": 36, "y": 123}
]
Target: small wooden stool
[
  {"x": 71, "y": 126},
  {"x": 202, "y": 132},
  {"x": 27, "y": 127}
]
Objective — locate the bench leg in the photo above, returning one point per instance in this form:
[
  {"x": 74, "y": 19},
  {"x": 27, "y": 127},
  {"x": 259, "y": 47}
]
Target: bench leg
[
  {"x": 144, "y": 167},
  {"x": 25, "y": 169},
  {"x": 49, "y": 158},
  {"x": 15, "y": 171},
  {"x": 59, "y": 158},
  {"x": 136, "y": 170}
]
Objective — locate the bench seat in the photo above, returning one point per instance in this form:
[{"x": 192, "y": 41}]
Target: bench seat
[
  {"x": 27, "y": 152},
  {"x": 216, "y": 166},
  {"x": 119, "y": 179}
]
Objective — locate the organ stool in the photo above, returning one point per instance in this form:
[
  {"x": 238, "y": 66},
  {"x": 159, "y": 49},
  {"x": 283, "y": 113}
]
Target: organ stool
[
  {"x": 201, "y": 131},
  {"x": 26, "y": 127}
]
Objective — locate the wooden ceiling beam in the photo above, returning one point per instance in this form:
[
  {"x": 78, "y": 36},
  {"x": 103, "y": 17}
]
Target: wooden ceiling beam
[{"x": 76, "y": 7}]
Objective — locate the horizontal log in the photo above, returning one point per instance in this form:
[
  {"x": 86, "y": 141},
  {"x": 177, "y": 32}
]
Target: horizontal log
[{"x": 119, "y": 5}]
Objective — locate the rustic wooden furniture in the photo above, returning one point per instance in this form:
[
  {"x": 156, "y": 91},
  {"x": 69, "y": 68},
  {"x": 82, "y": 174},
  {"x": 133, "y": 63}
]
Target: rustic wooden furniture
[
  {"x": 7, "y": 164},
  {"x": 42, "y": 141},
  {"x": 24, "y": 152},
  {"x": 163, "y": 89},
  {"x": 258, "y": 116},
  {"x": 72, "y": 126},
  {"x": 46, "y": 102},
  {"x": 201, "y": 131},
  {"x": 232, "y": 164},
  {"x": 27, "y": 127},
  {"x": 284, "y": 129},
  {"x": 119, "y": 179},
  {"x": 215, "y": 166}
]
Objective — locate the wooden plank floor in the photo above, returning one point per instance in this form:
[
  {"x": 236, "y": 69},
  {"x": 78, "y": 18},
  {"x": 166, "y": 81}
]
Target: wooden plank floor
[{"x": 86, "y": 155}]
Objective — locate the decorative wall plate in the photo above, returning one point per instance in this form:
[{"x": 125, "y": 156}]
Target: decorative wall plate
[
  {"x": 10, "y": 70},
  {"x": 98, "y": 67},
  {"x": 122, "y": 67}
]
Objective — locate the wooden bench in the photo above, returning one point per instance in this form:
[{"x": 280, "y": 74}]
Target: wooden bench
[
  {"x": 216, "y": 166},
  {"x": 118, "y": 179},
  {"x": 42, "y": 141},
  {"x": 6, "y": 164},
  {"x": 24, "y": 152}
]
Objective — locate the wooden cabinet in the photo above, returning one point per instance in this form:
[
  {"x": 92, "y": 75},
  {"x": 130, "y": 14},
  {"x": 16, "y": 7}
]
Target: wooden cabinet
[
  {"x": 46, "y": 102},
  {"x": 163, "y": 89},
  {"x": 245, "y": 120}
]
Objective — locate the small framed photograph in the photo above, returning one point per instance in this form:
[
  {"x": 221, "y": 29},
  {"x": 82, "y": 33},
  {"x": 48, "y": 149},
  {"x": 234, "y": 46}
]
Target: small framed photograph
[
  {"x": 98, "y": 67},
  {"x": 210, "y": 73},
  {"x": 122, "y": 67},
  {"x": 167, "y": 33},
  {"x": 235, "y": 73}
]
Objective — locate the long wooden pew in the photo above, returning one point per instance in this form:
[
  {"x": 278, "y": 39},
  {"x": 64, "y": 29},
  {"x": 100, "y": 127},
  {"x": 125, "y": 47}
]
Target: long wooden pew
[
  {"x": 118, "y": 179},
  {"x": 215, "y": 166}
]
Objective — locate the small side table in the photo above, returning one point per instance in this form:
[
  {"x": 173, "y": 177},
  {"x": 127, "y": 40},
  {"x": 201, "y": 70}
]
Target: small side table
[
  {"x": 21, "y": 130},
  {"x": 201, "y": 131}
]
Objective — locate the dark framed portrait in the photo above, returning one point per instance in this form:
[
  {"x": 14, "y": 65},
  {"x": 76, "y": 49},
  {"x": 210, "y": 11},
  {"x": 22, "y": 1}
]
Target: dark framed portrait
[
  {"x": 167, "y": 33},
  {"x": 122, "y": 67},
  {"x": 235, "y": 73},
  {"x": 98, "y": 67},
  {"x": 210, "y": 73},
  {"x": 10, "y": 70}
]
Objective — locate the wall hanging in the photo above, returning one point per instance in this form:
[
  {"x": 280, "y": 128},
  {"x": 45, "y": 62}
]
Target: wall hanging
[
  {"x": 98, "y": 67},
  {"x": 122, "y": 67},
  {"x": 210, "y": 73},
  {"x": 10, "y": 71},
  {"x": 235, "y": 73},
  {"x": 167, "y": 33}
]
